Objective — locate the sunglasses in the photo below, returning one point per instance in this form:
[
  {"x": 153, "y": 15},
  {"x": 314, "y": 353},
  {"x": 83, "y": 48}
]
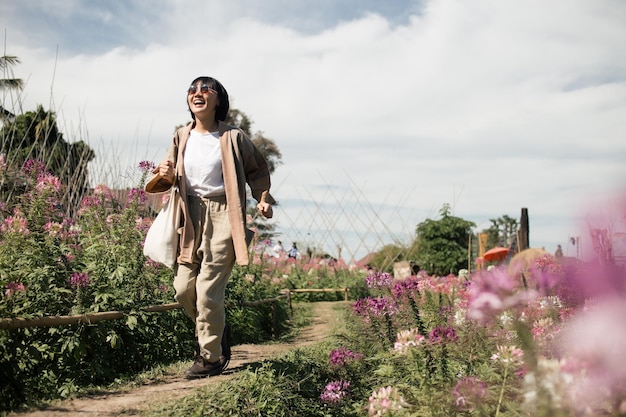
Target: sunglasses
[{"x": 203, "y": 89}]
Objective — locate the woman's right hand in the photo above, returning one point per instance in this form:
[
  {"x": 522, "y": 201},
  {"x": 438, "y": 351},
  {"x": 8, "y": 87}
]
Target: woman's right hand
[{"x": 166, "y": 170}]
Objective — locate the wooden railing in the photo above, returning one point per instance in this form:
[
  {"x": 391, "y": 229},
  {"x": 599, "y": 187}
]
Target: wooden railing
[{"x": 89, "y": 318}]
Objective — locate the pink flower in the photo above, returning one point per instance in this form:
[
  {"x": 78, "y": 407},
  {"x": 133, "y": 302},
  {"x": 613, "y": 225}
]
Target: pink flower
[
  {"x": 407, "y": 339},
  {"x": 385, "y": 401},
  {"x": 15, "y": 224},
  {"x": 335, "y": 391},
  {"x": 508, "y": 355},
  {"x": 13, "y": 287},
  {"x": 492, "y": 292},
  {"x": 54, "y": 229},
  {"x": 33, "y": 166},
  {"x": 378, "y": 306},
  {"x": 48, "y": 182}
]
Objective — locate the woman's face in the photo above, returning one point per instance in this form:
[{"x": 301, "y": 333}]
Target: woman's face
[{"x": 202, "y": 100}]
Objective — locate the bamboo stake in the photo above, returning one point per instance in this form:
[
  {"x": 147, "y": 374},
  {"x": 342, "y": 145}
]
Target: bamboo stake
[{"x": 89, "y": 318}]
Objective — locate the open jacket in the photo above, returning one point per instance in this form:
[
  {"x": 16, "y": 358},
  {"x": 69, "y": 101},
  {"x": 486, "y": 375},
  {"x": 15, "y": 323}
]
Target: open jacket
[{"x": 242, "y": 164}]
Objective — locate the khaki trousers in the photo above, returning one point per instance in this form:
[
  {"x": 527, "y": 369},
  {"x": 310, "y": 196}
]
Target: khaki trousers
[{"x": 200, "y": 286}]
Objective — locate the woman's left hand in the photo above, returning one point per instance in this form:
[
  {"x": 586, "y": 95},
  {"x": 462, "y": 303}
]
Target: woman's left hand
[{"x": 265, "y": 209}]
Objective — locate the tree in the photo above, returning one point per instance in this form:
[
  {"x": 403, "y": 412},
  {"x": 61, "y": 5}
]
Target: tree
[
  {"x": 443, "y": 243},
  {"x": 34, "y": 135},
  {"x": 269, "y": 149},
  {"x": 8, "y": 83},
  {"x": 502, "y": 232},
  {"x": 265, "y": 145},
  {"x": 384, "y": 259}
]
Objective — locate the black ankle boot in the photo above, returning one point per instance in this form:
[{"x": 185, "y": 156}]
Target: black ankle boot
[{"x": 226, "y": 352}]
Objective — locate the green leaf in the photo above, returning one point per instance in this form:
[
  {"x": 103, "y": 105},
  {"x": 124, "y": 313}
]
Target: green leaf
[{"x": 131, "y": 322}]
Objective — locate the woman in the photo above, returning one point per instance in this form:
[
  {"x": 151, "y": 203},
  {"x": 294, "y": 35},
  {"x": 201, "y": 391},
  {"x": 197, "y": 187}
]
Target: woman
[{"x": 211, "y": 163}]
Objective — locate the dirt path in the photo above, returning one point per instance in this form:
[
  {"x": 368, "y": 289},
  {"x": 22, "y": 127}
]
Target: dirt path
[{"x": 174, "y": 386}]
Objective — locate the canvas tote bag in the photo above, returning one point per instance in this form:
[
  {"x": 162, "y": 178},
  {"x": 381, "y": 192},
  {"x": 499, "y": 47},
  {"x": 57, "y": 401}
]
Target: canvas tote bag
[{"x": 162, "y": 239}]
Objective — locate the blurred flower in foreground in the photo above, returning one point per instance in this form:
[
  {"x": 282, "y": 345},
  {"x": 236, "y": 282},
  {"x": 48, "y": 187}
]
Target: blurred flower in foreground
[
  {"x": 386, "y": 400},
  {"x": 469, "y": 393},
  {"x": 492, "y": 292},
  {"x": 548, "y": 380},
  {"x": 593, "y": 346}
]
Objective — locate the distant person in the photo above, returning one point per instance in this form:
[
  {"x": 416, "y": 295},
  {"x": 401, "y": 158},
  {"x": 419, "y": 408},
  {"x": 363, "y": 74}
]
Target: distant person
[
  {"x": 211, "y": 162},
  {"x": 293, "y": 252},
  {"x": 278, "y": 249},
  {"x": 559, "y": 252}
]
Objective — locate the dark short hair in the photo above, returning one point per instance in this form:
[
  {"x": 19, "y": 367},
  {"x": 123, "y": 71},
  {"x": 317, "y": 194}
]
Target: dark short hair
[{"x": 222, "y": 98}]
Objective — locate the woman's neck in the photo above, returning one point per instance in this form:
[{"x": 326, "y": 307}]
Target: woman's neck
[{"x": 205, "y": 125}]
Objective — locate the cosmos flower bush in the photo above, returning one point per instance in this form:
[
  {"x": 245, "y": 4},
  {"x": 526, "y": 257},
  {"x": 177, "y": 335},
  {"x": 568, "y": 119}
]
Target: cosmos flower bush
[
  {"x": 490, "y": 344},
  {"x": 53, "y": 264}
]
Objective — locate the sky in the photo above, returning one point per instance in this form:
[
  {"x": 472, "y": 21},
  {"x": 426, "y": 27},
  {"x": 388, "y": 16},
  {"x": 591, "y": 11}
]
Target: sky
[{"x": 383, "y": 111}]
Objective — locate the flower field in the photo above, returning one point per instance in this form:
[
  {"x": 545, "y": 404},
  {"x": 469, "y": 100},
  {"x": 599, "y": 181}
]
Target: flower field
[
  {"x": 545, "y": 341},
  {"x": 56, "y": 264}
]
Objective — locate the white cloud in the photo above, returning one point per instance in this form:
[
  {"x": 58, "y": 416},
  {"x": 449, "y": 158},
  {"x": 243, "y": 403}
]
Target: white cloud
[{"x": 491, "y": 106}]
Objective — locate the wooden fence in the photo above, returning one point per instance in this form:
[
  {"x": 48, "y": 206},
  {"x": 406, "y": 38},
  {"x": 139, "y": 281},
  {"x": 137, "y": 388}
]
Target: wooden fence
[{"x": 89, "y": 318}]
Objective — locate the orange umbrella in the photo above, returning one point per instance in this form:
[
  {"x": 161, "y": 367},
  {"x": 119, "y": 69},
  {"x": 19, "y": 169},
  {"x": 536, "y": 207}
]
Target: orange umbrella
[{"x": 496, "y": 254}]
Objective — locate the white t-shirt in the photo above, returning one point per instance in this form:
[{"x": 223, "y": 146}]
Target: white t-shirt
[{"x": 203, "y": 164}]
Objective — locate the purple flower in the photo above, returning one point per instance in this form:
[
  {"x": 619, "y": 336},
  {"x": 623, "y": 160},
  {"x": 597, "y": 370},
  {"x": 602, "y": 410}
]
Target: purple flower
[
  {"x": 79, "y": 279},
  {"x": 406, "y": 286},
  {"x": 33, "y": 166},
  {"x": 442, "y": 334},
  {"x": 335, "y": 391},
  {"x": 378, "y": 306},
  {"x": 381, "y": 279},
  {"x": 342, "y": 356},
  {"x": 139, "y": 194},
  {"x": 146, "y": 166}
]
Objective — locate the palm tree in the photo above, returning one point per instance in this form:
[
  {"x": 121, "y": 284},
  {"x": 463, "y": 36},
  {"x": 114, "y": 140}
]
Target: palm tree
[{"x": 6, "y": 62}]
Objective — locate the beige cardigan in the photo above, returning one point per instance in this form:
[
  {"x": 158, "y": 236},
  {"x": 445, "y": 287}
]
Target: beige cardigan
[{"x": 241, "y": 163}]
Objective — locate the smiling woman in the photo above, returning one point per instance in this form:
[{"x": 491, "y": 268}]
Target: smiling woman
[{"x": 211, "y": 163}]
